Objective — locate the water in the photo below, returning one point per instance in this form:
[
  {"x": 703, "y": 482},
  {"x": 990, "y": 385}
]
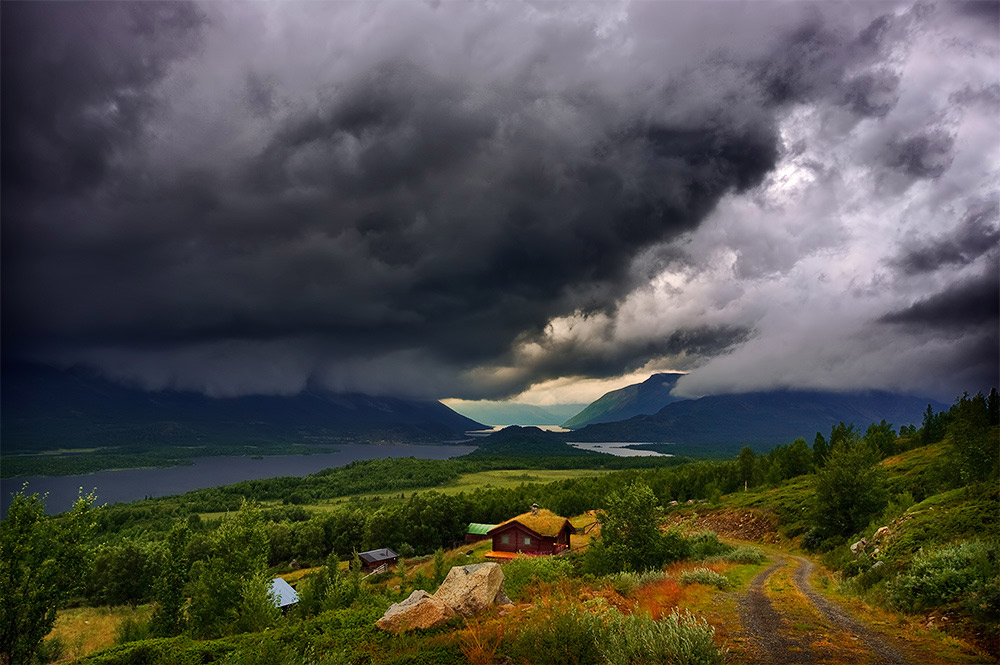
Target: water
[
  {"x": 617, "y": 448},
  {"x": 131, "y": 484},
  {"x": 496, "y": 428}
]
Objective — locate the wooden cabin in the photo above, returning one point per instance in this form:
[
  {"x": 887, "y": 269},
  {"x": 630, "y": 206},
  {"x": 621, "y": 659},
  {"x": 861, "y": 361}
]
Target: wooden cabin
[
  {"x": 374, "y": 559},
  {"x": 538, "y": 532},
  {"x": 477, "y": 532}
]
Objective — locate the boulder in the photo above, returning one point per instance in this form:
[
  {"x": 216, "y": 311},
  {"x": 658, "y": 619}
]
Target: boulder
[
  {"x": 859, "y": 546},
  {"x": 884, "y": 531},
  {"x": 472, "y": 589},
  {"x": 420, "y": 610}
]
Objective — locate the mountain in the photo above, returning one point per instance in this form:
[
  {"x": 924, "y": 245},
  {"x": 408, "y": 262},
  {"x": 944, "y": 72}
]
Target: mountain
[
  {"x": 511, "y": 413},
  {"x": 762, "y": 419},
  {"x": 647, "y": 398},
  {"x": 45, "y": 408}
]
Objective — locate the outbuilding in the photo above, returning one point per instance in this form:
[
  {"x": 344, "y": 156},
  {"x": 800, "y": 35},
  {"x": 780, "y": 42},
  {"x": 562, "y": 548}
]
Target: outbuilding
[
  {"x": 283, "y": 594},
  {"x": 373, "y": 559},
  {"x": 540, "y": 532},
  {"x": 477, "y": 532}
]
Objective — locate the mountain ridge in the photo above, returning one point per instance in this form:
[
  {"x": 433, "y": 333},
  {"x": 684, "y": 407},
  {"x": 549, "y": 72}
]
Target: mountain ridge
[
  {"x": 644, "y": 398},
  {"x": 47, "y": 408}
]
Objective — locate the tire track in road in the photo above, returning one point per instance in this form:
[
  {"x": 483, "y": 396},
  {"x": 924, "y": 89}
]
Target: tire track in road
[
  {"x": 764, "y": 626},
  {"x": 873, "y": 640}
]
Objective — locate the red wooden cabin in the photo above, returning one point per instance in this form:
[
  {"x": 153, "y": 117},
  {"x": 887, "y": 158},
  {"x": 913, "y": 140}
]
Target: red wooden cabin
[{"x": 536, "y": 532}]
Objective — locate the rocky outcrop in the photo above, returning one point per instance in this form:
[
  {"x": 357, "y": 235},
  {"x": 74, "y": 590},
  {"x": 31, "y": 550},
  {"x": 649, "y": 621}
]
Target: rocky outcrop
[
  {"x": 466, "y": 591},
  {"x": 470, "y": 590},
  {"x": 420, "y": 610},
  {"x": 859, "y": 547}
]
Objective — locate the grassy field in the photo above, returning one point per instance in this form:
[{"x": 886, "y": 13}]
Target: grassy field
[
  {"x": 465, "y": 483},
  {"x": 84, "y": 630}
]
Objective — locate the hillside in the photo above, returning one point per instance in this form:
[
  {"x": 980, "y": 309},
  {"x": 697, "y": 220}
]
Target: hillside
[
  {"x": 644, "y": 398},
  {"x": 761, "y": 420},
  {"x": 46, "y": 408},
  {"x": 530, "y": 442}
]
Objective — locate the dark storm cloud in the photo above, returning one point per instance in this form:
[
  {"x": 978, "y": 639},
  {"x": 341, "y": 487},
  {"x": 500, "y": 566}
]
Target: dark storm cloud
[
  {"x": 975, "y": 301},
  {"x": 175, "y": 193},
  {"x": 978, "y": 234},
  {"x": 75, "y": 78}
]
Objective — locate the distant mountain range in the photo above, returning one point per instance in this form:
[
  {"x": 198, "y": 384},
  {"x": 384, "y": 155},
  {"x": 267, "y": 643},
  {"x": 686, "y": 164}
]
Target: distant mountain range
[
  {"x": 761, "y": 419},
  {"x": 638, "y": 399},
  {"x": 512, "y": 413},
  {"x": 45, "y": 408}
]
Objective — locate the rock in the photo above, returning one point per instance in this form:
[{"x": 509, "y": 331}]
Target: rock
[
  {"x": 878, "y": 564},
  {"x": 690, "y": 502},
  {"x": 472, "y": 589},
  {"x": 884, "y": 531},
  {"x": 420, "y": 610},
  {"x": 859, "y": 546},
  {"x": 673, "y": 503},
  {"x": 502, "y": 600}
]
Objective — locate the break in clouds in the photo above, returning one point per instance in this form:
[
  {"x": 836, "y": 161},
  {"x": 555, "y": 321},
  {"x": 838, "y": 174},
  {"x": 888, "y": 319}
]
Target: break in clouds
[{"x": 467, "y": 199}]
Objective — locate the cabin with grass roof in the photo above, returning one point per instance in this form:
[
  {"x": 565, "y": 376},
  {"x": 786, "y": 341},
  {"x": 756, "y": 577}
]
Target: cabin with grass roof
[{"x": 538, "y": 532}]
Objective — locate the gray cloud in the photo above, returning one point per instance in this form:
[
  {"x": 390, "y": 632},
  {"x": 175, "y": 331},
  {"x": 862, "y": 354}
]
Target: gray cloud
[{"x": 234, "y": 200}]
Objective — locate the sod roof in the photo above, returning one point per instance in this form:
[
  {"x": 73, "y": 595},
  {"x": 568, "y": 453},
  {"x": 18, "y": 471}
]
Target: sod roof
[{"x": 545, "y": 523}]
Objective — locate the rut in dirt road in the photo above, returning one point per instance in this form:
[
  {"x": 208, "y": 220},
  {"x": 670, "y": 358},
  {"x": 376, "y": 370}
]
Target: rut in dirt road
[
  {"x": 872, "y": 639},
  {"x": 765, "y": 627}
]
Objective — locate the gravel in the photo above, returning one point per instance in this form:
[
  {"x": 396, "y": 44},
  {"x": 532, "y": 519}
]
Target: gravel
[{"x": 872, "y": 639}]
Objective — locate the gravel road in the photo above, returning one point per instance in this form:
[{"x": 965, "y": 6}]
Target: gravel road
[
  {"x": 764, "y": 626},
  {"x": 872, "y": 639}
]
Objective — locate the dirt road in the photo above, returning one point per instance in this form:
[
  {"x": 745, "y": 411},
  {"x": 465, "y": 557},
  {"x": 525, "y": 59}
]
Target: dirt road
[{"x": 769, "y": 631}]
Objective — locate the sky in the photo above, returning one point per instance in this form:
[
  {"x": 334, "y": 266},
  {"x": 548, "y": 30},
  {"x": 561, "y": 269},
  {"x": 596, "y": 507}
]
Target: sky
[{"x": 503, "y": 200}]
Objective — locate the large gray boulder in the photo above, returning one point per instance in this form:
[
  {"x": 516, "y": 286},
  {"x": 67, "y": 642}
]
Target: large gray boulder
[
  {"x": 470, "y": 590},
  {"x": 420, "y": 610}
]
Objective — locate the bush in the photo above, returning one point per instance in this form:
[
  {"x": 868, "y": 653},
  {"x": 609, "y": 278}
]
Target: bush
[
  {"x": 521, "y": 571},
  {"x": 706, "y": 576},
  {"x": 626, "y": 582},
  {"x": 943, "y": 576},
  {"x": 131, "y": 629},
  {"x": 559, "y": 634},
  {"x": 742, "y": 554},
  {"x": 680, "y": 639},
  {"x": 50, "y": 650},
  {"x": 706, "y": 544}
]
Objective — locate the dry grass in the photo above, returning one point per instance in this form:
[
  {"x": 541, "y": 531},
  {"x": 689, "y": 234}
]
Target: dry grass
[{"x": 85, "y": 630}]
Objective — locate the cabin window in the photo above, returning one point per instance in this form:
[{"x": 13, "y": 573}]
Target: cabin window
[
  {"x": 527, "y": 540},
  {"x": 505, "y": 539}
]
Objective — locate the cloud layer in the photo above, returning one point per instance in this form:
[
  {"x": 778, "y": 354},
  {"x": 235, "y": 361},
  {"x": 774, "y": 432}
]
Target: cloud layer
[{"x": 465, "y": 200}]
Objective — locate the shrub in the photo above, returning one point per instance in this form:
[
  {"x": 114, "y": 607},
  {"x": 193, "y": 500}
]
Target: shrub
[
  {"x": 558, "y": 634},
  {"x": 521, "y": 571},
  {"x": 623, "y": 583},
  {"x": 680, "y": 639},
  {"x": 706, "y": 544},
  {"x": 51, "y": 650},
  {"x": 943, "y": 576},
  {"x": 131, "y": 629},
  {"x": 742, "y": 554},
  {"x": 706, "y": 576}
]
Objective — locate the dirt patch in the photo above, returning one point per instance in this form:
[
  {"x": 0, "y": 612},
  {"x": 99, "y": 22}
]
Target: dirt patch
[{"x": 740, "y": 524}]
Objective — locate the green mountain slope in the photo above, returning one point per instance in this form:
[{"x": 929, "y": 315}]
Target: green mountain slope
[{"x": 646, "y": 398}]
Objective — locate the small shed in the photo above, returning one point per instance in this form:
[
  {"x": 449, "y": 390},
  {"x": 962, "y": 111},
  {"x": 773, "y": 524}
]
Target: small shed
[
  {"x": 283, "y": 594},
  {"x": 372, "y": 559},
  {"x": 477, "y": 532},
  {"x": 537, "y": 532}
]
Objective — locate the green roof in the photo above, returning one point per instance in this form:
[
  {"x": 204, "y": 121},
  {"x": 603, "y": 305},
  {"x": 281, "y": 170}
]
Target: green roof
[{"x": 479, "y": 529}]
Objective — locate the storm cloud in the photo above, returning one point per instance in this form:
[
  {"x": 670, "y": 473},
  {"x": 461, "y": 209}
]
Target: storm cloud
[{"x": 453, "y": 200}]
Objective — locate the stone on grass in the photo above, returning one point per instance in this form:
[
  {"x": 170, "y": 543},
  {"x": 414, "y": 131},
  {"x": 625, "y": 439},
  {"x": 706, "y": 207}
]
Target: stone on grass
[
  {"x": 472, "y": 589},
  {"x": 420, "y": 610}
]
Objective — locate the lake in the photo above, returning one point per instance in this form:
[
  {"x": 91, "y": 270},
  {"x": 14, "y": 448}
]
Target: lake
[
  {"x": 130, "y": 484},
  {"x": 617, "y": 448}
]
